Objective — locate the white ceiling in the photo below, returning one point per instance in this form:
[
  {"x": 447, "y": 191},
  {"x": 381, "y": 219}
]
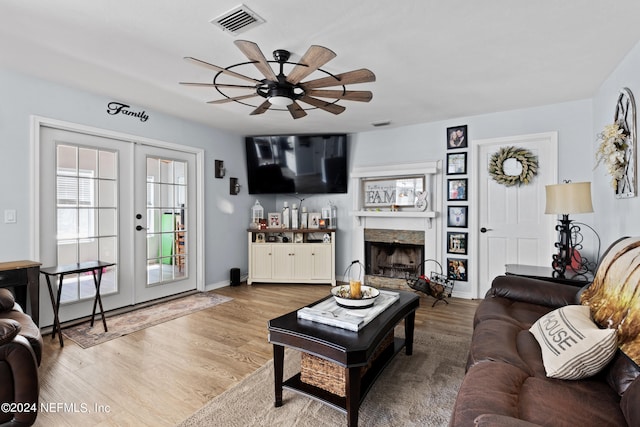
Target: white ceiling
[{"x": 433, "y": 59}]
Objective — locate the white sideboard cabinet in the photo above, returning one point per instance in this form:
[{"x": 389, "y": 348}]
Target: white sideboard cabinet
[{"x": 292, "y": 256}]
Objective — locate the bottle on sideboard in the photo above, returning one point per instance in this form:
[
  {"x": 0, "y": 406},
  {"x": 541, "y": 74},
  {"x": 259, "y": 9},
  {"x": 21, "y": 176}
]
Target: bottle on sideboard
[
  {"x": 286, "y": 216},
  {"x": 304, "y": 218},
  {"x": 295, "y": 223}
]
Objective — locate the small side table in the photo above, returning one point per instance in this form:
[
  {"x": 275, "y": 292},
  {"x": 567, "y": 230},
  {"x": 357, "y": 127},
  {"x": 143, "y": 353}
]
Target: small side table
[
  {"x": 23, "y": 275},
  {"x": 546, "y": 273},
  {"x": 95, "y": 267}
]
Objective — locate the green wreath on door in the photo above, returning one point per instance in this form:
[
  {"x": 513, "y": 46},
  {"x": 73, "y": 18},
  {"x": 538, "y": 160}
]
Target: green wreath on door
[{"x": 524, "y": 157}]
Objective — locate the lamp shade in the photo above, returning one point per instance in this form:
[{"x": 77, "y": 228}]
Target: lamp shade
[{"x": 569, "y": 198}]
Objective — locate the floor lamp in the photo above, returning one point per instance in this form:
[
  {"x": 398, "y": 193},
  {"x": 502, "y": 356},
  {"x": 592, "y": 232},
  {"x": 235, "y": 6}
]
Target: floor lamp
[{"x": 564, "y": 199}]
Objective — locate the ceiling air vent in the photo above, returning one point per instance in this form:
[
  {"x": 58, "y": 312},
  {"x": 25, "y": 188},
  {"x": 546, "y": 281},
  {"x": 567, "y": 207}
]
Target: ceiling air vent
[{"x": 237, "y": 20}]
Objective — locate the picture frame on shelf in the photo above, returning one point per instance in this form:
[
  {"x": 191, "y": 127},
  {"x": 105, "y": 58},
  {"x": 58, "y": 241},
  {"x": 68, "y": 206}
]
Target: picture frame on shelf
[
  {"x": 457, "y": 189},
  {"x": 275, "y": 220},
  {"x": 387, "y": 192},
  {"x": 457, "y": 137},
  {"x": 457, "y": 269},
  {"x": 457, "y": 216},
  {"x": 260, "y": 237},
  {"x": 457, "y": 243},
  {"x": 314, "y": 219},
  {"x": 456, "y": 163}
]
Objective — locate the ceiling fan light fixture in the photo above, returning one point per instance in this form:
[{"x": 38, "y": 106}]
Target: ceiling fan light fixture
[
  {"x": 280, "y": 101},
  {"x": 286, "y": 91}
]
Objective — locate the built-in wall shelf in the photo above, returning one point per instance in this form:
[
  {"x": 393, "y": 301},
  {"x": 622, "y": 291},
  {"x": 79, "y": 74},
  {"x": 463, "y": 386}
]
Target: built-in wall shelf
[
  {"x": 395, "y": 214},
  {"x": 405, "y": 214}
]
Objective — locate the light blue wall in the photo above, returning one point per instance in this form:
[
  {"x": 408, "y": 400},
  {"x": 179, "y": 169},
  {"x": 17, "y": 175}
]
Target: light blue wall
[
  {"x": 225, "y": 216},
  {"x": 615, "y": 217},
  {"x": 425, "y": 142}
]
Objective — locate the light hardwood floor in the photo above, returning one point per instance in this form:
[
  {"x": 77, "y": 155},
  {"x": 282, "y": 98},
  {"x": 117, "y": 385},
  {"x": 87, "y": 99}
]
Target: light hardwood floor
[{"x": 161, "y": 375}]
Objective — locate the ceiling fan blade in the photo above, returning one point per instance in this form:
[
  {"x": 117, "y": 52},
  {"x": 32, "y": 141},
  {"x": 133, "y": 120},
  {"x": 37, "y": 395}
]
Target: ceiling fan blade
[
  {"x": 314, "y": 58},
  {"x": 261, "y": 108},
  {"x": 350, "y": 77},
  {"x": 235, "y": 98},
  {"x": 347, "y": 95},
  {"x": 254, "y": 54},
  {"x": 222, "y": 70},
  {"x": 296, "y": 110},
  {"x": 323, "y": 105},
  {"x": 216, "y": 85}
]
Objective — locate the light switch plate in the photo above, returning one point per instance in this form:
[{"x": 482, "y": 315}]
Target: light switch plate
[{"x": 9, "y": 216}]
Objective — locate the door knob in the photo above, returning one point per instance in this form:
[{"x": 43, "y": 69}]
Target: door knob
[
  {"x": 139, "y": 227},
  {"x": 484, "y": 230}
]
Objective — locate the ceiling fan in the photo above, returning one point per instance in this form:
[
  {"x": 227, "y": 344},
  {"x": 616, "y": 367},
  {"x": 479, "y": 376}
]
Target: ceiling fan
[{"x": 287, "y": 90}]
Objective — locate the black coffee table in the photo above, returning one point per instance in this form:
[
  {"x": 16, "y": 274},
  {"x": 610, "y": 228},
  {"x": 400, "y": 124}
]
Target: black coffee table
[{"x": 348, "y": 349}]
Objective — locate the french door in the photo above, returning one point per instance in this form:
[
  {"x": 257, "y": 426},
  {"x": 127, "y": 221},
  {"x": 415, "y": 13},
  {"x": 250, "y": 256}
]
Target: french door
[
  {"x": 119, "y": 201},
  {"x": 164, "y": 221}
]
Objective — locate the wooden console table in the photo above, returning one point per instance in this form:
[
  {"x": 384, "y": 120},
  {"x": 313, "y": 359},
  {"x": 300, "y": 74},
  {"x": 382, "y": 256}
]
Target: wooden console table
[
  {"x": 23, "y": 275},
  {"x": 95, "y": 267}
]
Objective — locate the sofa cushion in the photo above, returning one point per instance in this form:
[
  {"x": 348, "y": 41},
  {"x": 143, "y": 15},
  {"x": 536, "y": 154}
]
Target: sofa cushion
[
  {"x": 573, "y": 346},
  {"x": 523, "y": 300},
  {"x": 502, "y": 389},
  {"x": 6, "y": 300},
  {"x": 516, "y": 312},
  {"x": 500, "y": 340}
]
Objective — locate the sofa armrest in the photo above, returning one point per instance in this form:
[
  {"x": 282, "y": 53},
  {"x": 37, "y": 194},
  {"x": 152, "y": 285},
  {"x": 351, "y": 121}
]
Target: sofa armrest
[
  {"x": 495, "y": 420},
  {"x": 9, "y": 328},
  {"x": 21, "y": 360},
  {"x": 7, "y": 301},
  {"x": 533, "y": 291}
]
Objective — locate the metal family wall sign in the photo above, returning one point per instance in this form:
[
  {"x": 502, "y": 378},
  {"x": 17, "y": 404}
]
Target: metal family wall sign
[{"x": 114, "y": 108}]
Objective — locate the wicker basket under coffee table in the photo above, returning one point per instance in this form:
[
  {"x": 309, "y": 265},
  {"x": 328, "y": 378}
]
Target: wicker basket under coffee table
[{"x": 346, "y": 363}]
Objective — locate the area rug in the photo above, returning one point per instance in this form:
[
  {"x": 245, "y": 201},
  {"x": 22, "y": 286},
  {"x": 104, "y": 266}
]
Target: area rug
[
  {"x": 417, "y": 390},
  {"x": 123, "y": 324}
]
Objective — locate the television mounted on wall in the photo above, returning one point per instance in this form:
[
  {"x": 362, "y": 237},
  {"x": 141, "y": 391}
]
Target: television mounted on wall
[{"x": 302, "y": 164}]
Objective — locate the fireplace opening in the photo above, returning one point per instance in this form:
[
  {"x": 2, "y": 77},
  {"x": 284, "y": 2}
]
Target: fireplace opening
[{"x": 393, "y": 260}]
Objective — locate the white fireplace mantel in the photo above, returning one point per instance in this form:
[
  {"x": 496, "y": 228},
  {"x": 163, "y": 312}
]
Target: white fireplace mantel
[{"x": 430, "y": 171}]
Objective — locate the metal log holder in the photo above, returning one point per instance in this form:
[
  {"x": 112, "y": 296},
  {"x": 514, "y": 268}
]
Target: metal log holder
[{"x": 437, "y": 285}]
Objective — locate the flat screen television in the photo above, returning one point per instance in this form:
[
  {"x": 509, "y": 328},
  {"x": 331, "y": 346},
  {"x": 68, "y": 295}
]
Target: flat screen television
[{"x": 303, "y": 164}]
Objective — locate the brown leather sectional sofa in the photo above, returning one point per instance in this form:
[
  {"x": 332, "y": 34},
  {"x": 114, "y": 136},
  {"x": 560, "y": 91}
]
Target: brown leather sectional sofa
[
  {"x": 506, "y": 383},
  {"x": 20, "y": 356}
]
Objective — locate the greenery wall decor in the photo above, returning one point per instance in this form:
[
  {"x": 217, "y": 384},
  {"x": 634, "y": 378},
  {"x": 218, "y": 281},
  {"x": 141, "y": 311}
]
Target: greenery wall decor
[{"x": 513, "y": 166}]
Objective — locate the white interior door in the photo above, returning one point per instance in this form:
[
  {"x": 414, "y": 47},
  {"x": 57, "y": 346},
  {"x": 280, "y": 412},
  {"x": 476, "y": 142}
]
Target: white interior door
[
  {"x": 512, "y": 226},
  {"x": 90, "y": 191}
]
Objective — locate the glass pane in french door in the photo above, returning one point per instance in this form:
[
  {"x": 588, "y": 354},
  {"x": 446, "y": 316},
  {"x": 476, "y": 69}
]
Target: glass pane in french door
[
  {"x": 167, "y": 211},
  {"x": 86, "y": 216}
]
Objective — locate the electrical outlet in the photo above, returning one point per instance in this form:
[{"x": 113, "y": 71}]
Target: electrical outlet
[{"x": 9, "y": 216}]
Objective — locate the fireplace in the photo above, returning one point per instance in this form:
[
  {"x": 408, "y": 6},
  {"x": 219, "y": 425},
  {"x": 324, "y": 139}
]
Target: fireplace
[
  {"x": 393, "y": 239},
  {"x": 392, "y": 255}
]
